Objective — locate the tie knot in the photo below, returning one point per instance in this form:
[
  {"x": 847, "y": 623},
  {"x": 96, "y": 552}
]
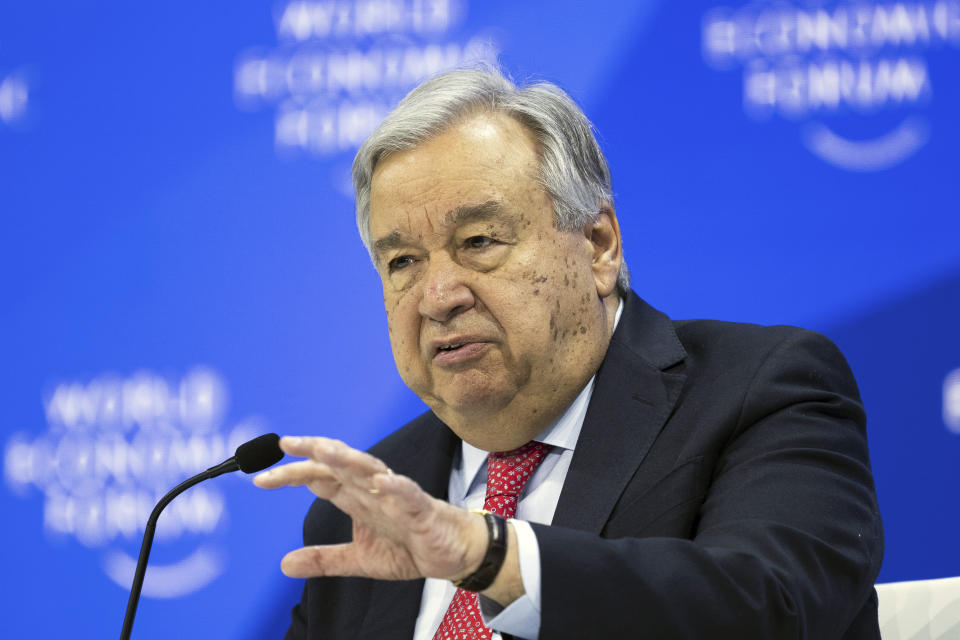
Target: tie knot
[{"x": 507, "y": 474}]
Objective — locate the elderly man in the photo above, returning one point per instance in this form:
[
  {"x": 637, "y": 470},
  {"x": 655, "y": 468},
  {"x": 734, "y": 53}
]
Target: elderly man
[{"x": 640, "y": 477}]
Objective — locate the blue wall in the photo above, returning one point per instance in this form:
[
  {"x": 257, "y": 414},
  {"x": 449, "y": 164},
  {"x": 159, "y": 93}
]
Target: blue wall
[{"x": 180, "y": 267}]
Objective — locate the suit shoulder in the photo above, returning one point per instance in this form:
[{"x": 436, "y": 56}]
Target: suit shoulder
[
  {"x": 750, "y": 356},
  {"x": 745, "y": 341},
  {"x": 744, "y": 331}
]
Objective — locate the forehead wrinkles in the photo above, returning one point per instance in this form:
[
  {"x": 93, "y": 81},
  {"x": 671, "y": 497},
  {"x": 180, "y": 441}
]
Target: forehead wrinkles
[{"x": 451, "y": 179}]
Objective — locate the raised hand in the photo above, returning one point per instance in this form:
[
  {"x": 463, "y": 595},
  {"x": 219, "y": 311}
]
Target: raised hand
[{"x": 399, "y": 531}]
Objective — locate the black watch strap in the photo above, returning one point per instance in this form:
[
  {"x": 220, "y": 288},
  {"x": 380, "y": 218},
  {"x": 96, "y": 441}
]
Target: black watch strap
[{"x": 492, "y": 561}]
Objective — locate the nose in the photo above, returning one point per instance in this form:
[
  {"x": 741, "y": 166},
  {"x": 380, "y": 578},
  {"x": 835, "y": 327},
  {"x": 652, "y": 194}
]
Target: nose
[{"x": 446, "y": 292}]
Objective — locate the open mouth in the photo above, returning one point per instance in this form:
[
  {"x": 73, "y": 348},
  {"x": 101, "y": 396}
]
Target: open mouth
[{"x": 458, "y": 349}]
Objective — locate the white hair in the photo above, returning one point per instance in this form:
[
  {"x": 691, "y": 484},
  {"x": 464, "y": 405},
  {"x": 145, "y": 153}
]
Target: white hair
[{"x": 573, "y": 170}]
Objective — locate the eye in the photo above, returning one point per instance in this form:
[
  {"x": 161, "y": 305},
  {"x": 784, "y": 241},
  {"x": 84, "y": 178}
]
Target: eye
[
  {"x": 400, "y": 262},
  {"x": 479, "y": 242}
]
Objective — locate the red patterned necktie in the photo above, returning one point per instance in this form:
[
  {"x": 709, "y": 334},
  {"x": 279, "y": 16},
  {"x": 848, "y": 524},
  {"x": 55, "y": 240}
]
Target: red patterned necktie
[{"x": 507, "y": 473}]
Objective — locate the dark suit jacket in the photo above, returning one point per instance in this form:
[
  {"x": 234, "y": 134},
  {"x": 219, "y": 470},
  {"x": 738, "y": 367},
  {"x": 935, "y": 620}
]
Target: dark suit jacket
[{"x": 720, "y": 487}]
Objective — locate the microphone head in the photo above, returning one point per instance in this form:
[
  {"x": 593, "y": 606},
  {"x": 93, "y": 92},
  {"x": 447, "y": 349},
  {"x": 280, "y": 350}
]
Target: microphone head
[{"x": 259, "y": 453}]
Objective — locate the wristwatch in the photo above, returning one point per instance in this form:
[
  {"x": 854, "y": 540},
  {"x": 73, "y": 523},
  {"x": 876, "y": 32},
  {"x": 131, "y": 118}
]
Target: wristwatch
[{"x": 493, "y": 559}]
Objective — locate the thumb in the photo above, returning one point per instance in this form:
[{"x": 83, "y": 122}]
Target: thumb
[{"x": 321, "y": 560}]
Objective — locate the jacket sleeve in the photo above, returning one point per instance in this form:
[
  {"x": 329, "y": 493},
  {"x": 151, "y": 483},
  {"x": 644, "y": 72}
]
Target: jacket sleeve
[
  {"x": 786, "y": 541},
  {"x": 298, "y": 623}
]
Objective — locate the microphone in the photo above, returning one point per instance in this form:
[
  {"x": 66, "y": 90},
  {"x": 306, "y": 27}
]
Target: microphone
[{"x": 250, "y": 457}]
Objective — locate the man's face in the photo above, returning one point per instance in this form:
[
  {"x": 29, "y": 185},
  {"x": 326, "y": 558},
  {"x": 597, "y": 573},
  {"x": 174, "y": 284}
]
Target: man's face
[{"x": 494, "y": 314}]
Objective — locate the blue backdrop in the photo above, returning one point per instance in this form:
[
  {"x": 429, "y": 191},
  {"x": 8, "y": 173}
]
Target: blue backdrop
[{"x": 180, "y": 267}]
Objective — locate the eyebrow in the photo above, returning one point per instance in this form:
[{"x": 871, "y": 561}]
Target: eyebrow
[
  {"x": 473, "y": 213},
  {"x": 390, "y": 241},
  {"x": 461, "y": 215}
]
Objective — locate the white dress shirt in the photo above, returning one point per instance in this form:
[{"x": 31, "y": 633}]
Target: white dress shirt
[{"x": 538, "y": 501}]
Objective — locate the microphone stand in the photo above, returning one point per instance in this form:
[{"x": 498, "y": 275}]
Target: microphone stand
[{"x": 224, "y": 467}]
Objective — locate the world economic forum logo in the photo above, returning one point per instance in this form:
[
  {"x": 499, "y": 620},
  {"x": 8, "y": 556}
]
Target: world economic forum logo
[
  {"x": 113, "y": 446},
  {"x": 341, "y": 65},
  {"x": 809, "y": 62}
]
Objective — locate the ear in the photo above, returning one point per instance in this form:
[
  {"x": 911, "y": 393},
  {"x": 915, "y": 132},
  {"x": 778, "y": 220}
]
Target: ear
[{"x": 604, "y": 236}]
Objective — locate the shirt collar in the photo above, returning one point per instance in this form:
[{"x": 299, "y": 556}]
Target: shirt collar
[{"x": 562, "y": 434}]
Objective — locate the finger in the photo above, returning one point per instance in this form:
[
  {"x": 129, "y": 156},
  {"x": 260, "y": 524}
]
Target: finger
[
  {"x": 400, "y": 498},
  {"x": 325, "y": 560},
  {"x": 356, "y": 500},
  {"x": 303, "y": 446},
  {"x": 294, "y": 474},
  {"x": 339, "y": 456},
  {"x": 314, "y": 447},
  {"x": 348, "y": 464},
  {"x": 330, "y": 451}
]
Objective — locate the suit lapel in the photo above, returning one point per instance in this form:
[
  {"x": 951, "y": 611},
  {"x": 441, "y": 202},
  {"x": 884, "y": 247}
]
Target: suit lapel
[
  {"x": 425, "y": 455},
  {"x": 632, "y": 397}
]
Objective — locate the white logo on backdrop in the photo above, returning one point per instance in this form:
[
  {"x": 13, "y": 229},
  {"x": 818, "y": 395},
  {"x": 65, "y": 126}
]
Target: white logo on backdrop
[
  {"x": 951, "y": 401},
  {"x": 808, "y": 62},
  {"x": 340, "y": 66},
  {"x": 113, "y": 447}
]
